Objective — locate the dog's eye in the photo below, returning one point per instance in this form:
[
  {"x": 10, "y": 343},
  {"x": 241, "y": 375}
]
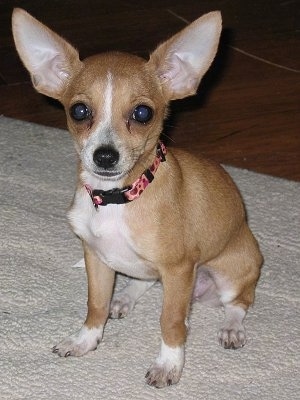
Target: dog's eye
[
  {"x": 142, "y": 114},
  {"x": 80, "y": 112}
]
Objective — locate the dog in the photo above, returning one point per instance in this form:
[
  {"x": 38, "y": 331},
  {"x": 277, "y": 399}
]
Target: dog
[{"x": 139, "y": 209}]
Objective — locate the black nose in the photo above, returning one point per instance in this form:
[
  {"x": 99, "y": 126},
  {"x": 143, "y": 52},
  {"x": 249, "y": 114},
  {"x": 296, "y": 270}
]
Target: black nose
[{"x": 106, "y": 157}]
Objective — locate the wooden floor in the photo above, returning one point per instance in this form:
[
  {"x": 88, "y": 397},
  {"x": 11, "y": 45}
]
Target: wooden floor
[{"x": 246, "y": 113}]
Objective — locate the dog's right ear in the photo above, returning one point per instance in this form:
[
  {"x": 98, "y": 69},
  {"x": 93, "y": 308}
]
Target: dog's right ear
[{"x": 51, "y": 60}]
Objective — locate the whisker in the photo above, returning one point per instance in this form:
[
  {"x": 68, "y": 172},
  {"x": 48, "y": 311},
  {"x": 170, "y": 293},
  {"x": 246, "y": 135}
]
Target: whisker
[{"x": 168, "y": 137}]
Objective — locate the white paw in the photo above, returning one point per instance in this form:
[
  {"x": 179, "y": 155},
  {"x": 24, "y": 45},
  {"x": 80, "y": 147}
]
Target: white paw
[
  {"x": 232, "y": 338},
  {"x": 80, "y": 343},
  {"x": 167, "y": 368},
  {"x": 160, "y": 376},
  {"x": 121, "y": 305},
  {"x": 232, "y": 335}
]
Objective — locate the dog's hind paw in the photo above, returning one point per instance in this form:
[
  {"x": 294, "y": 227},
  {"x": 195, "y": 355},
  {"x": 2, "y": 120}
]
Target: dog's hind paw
[
  {"x": 231, "y": 338},
  {"x": 232, "y": 335},
  {"x": 80, "y": 343},
  {"x": 121, "y": 305},
  {"x": 124, "y": 301}
]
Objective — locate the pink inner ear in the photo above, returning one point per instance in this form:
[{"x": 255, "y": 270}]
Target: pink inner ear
[
  {"x": 179, "y": 76},
  {"x": 51, "y": 74}
]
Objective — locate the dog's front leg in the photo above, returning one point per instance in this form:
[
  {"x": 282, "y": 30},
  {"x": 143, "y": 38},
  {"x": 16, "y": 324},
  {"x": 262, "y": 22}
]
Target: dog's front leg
[
  {"x": 178, "y": 288},
  {"x": 100, "y": 288}
]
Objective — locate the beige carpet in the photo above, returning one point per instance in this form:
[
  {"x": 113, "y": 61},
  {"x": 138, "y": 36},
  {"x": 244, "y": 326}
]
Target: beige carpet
[{"x": 43, "y": 297}]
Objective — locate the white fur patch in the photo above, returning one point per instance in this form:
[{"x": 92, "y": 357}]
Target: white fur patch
[
  {"x": 227, "y": 295},
  {"x": 225, "y": 290},
  {"x": 106, "y": 232},
  {"x": 80, "y": 343},
  {"x": 167, "y": 368},
  {"x": 101, "y": 134},
  {"x": 171, "y": 356},
  {"x": 108, "y": 96}
]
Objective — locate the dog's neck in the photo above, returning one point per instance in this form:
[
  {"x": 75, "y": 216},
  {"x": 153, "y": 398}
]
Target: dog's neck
[{"x": 128, "y": 193}]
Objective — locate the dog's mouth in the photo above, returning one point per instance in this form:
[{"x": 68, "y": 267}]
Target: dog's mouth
[
  {"x": 112, "y": 175},
  {"x": 115, "y": 173}
]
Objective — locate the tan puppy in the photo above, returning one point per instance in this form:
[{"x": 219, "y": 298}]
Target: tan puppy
[{"x": 187, "y": 228}]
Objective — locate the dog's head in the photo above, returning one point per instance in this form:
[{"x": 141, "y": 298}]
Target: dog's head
[{"x": 116, "y": 103}]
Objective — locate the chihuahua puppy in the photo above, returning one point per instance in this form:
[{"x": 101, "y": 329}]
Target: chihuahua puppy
[{"x": 139, "y": 210}]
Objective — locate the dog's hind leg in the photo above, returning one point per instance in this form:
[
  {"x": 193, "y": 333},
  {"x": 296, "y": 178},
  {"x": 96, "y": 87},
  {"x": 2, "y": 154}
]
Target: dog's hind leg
[
  {"x": 124, "y": 301},
  {"x": 235, "y": 273}
]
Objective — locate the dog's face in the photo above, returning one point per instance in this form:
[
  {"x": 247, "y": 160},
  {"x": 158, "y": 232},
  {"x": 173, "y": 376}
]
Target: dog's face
[
  {"x": 115, "y": 103},
  {"x": 115, "y": 109}
]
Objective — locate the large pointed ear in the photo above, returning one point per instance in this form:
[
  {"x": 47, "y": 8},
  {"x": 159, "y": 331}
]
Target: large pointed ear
[
  {"x": 181, "y": 61},
  {"x": 50, "y": 60}
]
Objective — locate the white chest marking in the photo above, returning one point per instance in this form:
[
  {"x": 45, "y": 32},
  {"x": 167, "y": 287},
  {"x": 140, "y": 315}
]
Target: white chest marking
[{"x": 106, "y": 232}]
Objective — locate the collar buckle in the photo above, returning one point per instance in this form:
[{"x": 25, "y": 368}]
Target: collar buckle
[{"x": 104, "y": 197}]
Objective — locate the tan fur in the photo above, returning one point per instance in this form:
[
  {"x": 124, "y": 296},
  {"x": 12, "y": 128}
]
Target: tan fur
[
  {"x": 100, "y": 284},
  {"x": 190, "y": 216}
]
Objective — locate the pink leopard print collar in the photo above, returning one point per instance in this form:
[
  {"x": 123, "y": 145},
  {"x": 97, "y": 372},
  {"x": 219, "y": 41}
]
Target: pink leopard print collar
[{"x": 132, "y": 192}]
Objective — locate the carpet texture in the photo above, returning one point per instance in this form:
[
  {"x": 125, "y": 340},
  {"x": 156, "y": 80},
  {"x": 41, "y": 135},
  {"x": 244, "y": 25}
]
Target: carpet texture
[{"x": 43, "y": 296}]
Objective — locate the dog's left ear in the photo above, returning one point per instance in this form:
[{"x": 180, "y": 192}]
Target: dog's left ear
[{"x": 181, "y": 61}]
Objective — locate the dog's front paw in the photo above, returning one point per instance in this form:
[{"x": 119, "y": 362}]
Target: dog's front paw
[
  {"x": 163, "y": 375},
  {"x": 121, "y": 305},
  {"x": 80, "y": 343},
  {"x": 232, "y": 338},
  {"x": 167, "y": 368}
]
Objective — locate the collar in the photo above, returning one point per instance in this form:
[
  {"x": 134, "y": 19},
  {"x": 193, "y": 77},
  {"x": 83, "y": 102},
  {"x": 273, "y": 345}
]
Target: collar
[{"x": 132, "y": 192}]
